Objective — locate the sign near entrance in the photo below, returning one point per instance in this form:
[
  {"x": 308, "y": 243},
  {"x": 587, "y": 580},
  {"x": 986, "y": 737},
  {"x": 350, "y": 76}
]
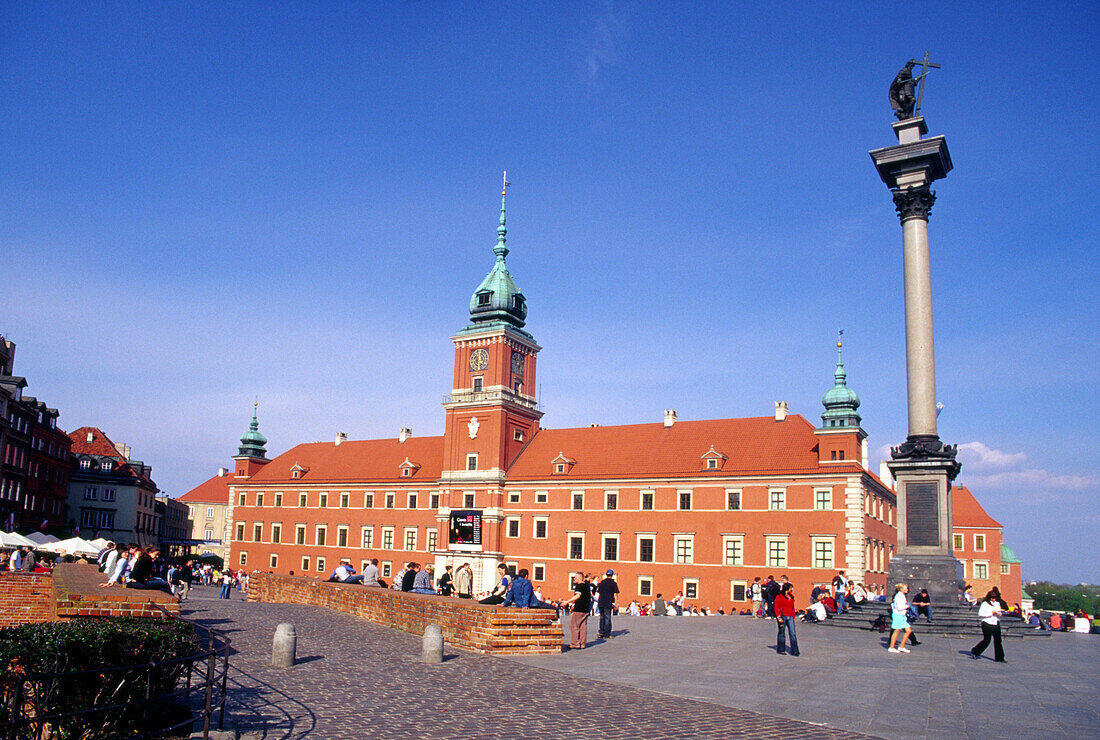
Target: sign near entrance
[{"x": 465, "y": 531}]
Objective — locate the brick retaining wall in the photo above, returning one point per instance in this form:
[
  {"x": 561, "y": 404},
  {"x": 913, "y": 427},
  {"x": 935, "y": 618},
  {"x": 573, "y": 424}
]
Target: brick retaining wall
[
  {"x": 26, "y": 598},
  {"x": 72, "y": 590},
  {"x": 466, "y": 624}
]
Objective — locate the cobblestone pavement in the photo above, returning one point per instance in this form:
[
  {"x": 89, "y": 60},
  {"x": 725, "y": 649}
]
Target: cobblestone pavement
[
  {"x": 358, "y": 680},
  {"x": 846, "y": 678}
]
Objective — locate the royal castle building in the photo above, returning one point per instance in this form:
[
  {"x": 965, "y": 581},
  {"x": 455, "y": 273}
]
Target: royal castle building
[{"x": 701, "y": 507}]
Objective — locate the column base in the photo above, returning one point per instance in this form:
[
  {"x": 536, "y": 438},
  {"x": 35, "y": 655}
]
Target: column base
[{"x": 940, "y": 574}]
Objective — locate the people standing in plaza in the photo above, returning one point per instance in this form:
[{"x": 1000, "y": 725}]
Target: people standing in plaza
[
  {"x": 840, "y": 592},
  {"x": 605, "y": 602},
  {"x": 184, "y": 576},
  {"x": 677, "y": 603},
  {"x": 771, "y": 590},
  {"x": 227, "y": 581},
  {"x": 784, "y": 617},
  {"x": 464, "y": 582},
  {"x": 446, "y": 582},
  {"x": 899, "y": 610},
  {"x": 581, "y": 604},
  {"x": 757, "y": 592},
  {"x": 989, "y": 614}
]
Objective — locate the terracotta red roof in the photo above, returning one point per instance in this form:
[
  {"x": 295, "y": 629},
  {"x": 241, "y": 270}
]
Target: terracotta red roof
[
  {"x": 102, "y": 446},
  {"x": 758, "y": 445},
  {"x": 371, "y": 460},
  {"x": 213, "y": 491},
  {"x": 967, "y": 512}
]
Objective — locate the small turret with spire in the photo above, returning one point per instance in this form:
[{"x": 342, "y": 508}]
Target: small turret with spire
[
  {"x": 840, "y": 402},
  {"x": 498, "y": 299},
  {"x": 252, "y": 454}
]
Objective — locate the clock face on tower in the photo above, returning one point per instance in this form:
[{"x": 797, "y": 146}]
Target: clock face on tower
[
  {"x": 479, "y": 359},
  {"x": 517, "y": 364}
]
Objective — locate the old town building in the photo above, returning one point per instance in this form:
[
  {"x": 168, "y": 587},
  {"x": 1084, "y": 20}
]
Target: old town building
[
  {"x": 701, "y": 506},
  {"x": 978, "y": 543},
  {"x": 111, "y": 494},
  {"x": 34, "y": 468}
]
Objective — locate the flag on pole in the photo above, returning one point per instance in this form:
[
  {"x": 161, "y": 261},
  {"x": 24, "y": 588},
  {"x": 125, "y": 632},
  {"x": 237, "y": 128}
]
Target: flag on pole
[
  {"x": 76, "y": 531},
  {"x": 44, "y": 523}
]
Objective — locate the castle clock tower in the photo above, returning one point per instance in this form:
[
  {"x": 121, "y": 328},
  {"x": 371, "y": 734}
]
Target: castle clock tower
[{"x": 491, "y": 412}]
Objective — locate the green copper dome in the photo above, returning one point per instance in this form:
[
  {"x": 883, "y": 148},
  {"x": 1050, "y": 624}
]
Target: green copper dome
[
  {"x": 252, "y": 442},
  {"x": 1007, "y": 555},
  {"x": 840, "y": 401},
  {"x": 498, "y": 299}
]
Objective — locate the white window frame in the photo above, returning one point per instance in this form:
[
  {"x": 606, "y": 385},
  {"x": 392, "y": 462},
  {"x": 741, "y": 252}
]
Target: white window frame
[
  {"x": 984, "y": 564},
  {"x": 777, "y": 539},
  {"x": 471, "y": 461},
  {"x": 676, "y": 555},
  {"x": 342, "y": 531},
  {"x": 680, "y": 493},
  {"x": 366, "y": 537},
  {"x": 740, "y": 499},
  {"x": 432, "y": 539},
  {"x": 545, "y": 521},
  {"x": 606, "y": 537},
  {"x": 782, "y": 499},
  {"x": 535, "y": 572},
  {"x": 823, "y": 540},
  {"x": 686, "y": 585},
  {"x": 739, "y": 540},
  {"x": 388, "y": 533},
  {"x": 541, "y": 497},
  {"x": 569, "y": 537},
  {"x": 958, "y": 541},
  {"x": 609, "y": 497},
  {"x": 746, "y": 593},
  {"x": 508, "y": 527},
  {"x": 982, "y": 537},
  {"x": 823, "y": 499},
  {"x": 320, "y": 565},
  {"x": 645, "y": 579},
  {"x": 405, "y": 540}
]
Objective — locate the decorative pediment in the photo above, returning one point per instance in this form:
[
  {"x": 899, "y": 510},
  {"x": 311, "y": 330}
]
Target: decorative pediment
[
  {"x": 297, "y": 471},
  {"x": 562, "y": 465},
  {"x": 409, "y": 468},
  {"x": 712, "y": 459}
]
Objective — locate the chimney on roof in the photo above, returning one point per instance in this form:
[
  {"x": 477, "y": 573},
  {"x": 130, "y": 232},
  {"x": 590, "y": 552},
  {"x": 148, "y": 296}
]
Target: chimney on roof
[
  {"x": 222, "y": 472},
  {"x": 404, "y": 434},
  {"x": 884, "y": 473},
  {"x": 670, "y": 417},
  {"x": 91, "y": 437},
  {"x": 341, "y": 438},
  {"x": 123, "y": 449},
  {"x": 780, "y": 410}
]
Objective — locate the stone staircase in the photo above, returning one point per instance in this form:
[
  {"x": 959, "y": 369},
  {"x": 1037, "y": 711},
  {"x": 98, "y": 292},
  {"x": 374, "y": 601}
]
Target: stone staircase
[{"x": 953, "y": 620}]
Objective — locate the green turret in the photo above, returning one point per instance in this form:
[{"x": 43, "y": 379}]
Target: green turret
[
  {"x": 840, "y": 401},
  {"x": 252, "y": 442},
  {"x": 498, "y": 300}
]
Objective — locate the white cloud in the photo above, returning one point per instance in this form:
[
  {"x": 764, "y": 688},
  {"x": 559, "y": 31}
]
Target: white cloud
[
  {"x": 982, "y": 457},
  {"x": 600, "y": 49},
  {"x": 997, "y": 469}
]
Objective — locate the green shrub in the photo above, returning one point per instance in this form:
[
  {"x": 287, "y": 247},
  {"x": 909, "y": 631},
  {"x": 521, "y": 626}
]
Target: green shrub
[{"x": 90, "y": 645}]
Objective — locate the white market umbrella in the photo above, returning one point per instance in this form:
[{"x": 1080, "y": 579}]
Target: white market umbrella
[
  {"x": 73, "y": 546},
  {"x": 41, "y": 538},
  {"x": 100, "y": 542},
  {"x": 12, "y": 539}
]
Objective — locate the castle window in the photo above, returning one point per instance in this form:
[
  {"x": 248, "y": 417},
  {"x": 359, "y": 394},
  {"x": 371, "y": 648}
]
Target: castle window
[
  {"x": 483, "y": 299},
  {"x": 560, "y": 468},
  {"x": 274, "y": 561},
  {"x": 517, "y": 301},
  {"x": 647, "y": 501},
  {"x": 733, "y": 500},
  {"x": 842, "y": 454},
  {"x": 468, "y": 500},
  {"x": 685, "y": 500},
  {"x": 519, "y": 386},
  {"x": 712, "y": 464},
  {"x": 477, "y": 384},
  {"x": 471, "y": 461},
  {"x": 517, "y": 434}
]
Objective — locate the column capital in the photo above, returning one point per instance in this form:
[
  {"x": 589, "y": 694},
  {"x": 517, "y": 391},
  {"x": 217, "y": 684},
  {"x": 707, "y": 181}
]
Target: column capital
[{"x": 913, "y": 202}]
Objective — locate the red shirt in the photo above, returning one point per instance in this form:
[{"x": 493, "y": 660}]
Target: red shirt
[{"x": 784, "y": 606}]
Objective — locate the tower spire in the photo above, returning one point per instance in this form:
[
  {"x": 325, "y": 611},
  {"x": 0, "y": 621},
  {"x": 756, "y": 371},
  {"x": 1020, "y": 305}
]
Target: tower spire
[
  {"x": 252, "y": 442},
  {"x": 841, "y": 402},
  {"x": 500, "y": 250}
]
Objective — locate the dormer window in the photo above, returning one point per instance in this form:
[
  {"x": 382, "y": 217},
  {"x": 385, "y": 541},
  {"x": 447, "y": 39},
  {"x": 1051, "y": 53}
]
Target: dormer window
[
  {"x": 517, "y": 302},
  {"x": 408, "y": 469},
  {"x": 562, "y": 464},
  {"x": 713, "y": 459},
  {"x": 297, "y": 471},
  {"x": 483, "y": 299},
  {"x": 85, "y": 464},
  {"x": 106, "y": 466}
]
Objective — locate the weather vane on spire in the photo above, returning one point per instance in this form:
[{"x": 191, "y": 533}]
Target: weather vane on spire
[
  {"x": 504, "y": 187},
  {"x": 839, "y": 334}
]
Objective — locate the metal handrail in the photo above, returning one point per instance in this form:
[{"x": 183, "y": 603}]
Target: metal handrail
[{"x": 213, "y": 686}]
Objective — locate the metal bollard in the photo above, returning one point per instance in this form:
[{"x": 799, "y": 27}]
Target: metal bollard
[
  {"x": 432, "y": 651},
  {"x": 284, "y": 646}
]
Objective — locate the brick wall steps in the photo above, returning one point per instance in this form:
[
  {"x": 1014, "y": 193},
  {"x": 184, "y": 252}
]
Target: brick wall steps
[{"x": 466, "y": 624}]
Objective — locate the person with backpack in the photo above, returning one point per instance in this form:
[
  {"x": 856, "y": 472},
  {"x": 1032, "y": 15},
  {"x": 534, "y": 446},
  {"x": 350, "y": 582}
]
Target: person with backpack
[{"x": 757, "y": 593}]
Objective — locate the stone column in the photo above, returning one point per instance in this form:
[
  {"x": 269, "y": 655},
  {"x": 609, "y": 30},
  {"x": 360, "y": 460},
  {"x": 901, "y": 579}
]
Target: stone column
[{"x": 923, "y": 467}]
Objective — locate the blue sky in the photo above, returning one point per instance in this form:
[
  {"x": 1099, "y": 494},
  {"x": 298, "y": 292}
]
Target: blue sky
[{"x": 205, "y": 203}]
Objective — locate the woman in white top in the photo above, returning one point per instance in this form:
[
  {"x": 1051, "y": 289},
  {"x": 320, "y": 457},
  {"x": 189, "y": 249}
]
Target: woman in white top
[
  {"x": 989, "y": 612},
  {"x": 900, "y": 623}
]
